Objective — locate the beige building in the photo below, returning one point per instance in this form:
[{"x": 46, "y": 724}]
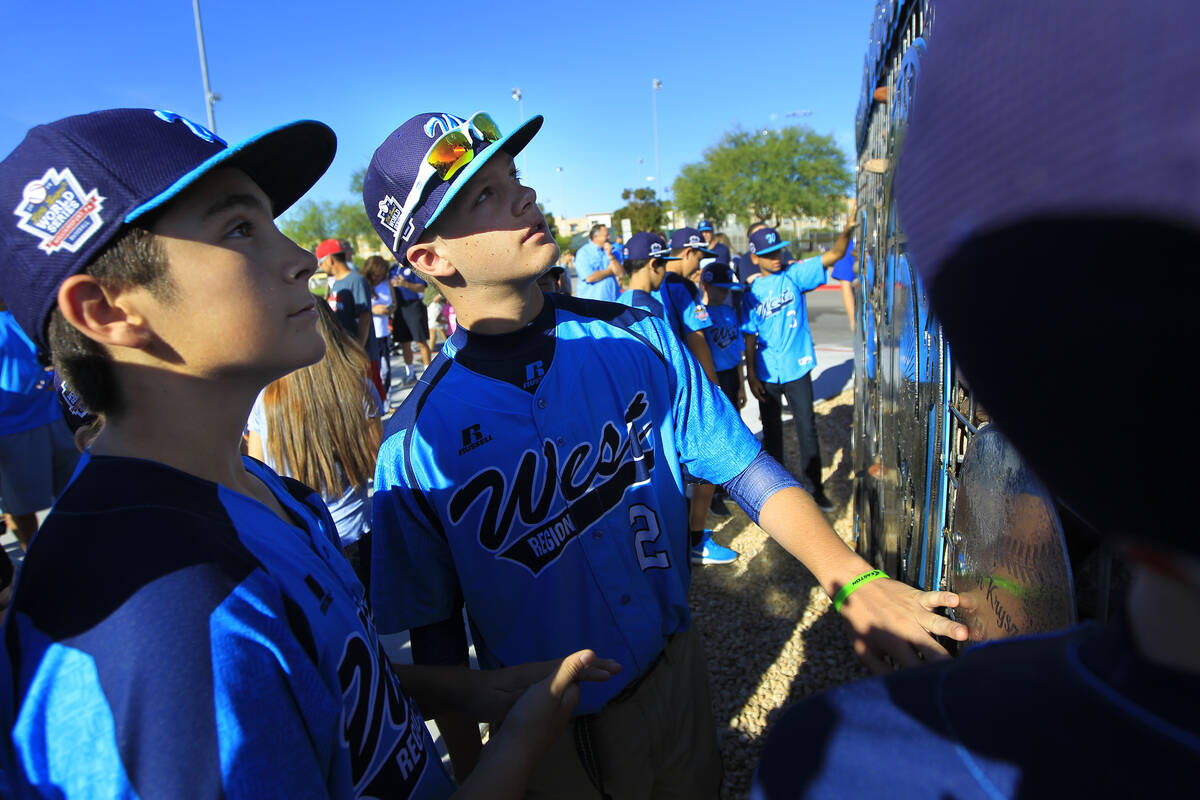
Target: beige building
[{"x": 569, "y": 226}]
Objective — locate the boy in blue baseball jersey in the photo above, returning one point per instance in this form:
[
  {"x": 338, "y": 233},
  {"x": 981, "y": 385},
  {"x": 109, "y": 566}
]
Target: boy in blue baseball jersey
[
  {"x": 724, "y": 335},
  {"x": 646, "y": 257},
  {"x": 184, "y": 623},
  {"x": 537, "y": 473},
  {"x": 724, "y": 339},
  {"x": 779, "y": 348},
  {"x": 687, "y": 316}
]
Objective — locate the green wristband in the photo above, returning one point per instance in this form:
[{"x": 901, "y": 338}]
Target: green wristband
[{"x": 857, "y": 583}]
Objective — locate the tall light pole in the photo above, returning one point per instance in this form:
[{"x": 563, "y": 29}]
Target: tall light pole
[
  {"x": 516, "y": 95},
  {"x": 655, "y": 86},
  {"x": 209, "y": 97}
]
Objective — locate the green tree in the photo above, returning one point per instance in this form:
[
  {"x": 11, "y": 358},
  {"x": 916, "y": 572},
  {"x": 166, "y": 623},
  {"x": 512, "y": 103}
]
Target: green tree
[
  {"x": 308, "y": 223},
  {"x": 551, "y": 222},
  {"x": 768, "y": 175},
  {"x": 643, "y": 209}
]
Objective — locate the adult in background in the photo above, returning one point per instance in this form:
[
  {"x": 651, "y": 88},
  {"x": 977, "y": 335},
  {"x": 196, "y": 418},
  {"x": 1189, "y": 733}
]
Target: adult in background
[
  {"x": 844, "y": 273},
  {"x": 375, "y": 270},
  {"x": 351, "y": 297},
  {"x": 410, "y": 322},
  {"x": 597, "y": 268}
]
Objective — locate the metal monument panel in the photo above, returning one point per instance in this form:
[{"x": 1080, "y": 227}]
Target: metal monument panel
[{"x": 1010, "y": 564}]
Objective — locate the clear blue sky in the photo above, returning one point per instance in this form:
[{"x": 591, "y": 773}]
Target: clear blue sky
[{"x": 364, "y": 68}]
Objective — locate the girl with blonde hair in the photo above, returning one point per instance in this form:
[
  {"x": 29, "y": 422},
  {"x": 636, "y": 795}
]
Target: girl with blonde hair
[{"x": 320, "y": 425}]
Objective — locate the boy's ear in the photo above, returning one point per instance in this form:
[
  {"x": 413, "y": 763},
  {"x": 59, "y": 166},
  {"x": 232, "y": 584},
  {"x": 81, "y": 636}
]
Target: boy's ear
[
  {"x": 427, "y": 257},
  {"x": 102, "y": 315}
]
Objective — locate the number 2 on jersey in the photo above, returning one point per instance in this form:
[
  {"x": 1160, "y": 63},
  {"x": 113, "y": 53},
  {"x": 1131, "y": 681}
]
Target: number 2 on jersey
[{"x": 644, "y": 522}]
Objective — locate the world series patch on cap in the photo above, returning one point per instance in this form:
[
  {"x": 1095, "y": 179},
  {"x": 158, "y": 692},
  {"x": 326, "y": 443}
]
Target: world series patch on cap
[{"x": 74, "y": 184}]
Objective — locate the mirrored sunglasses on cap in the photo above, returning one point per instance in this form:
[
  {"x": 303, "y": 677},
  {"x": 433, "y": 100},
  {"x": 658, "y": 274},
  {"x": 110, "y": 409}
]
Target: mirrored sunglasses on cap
[{"x": 452, "y": 151}]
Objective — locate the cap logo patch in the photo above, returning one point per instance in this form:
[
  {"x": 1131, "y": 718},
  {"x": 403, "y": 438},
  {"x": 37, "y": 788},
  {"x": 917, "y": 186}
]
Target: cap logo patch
[
  {"x": 195, "y": 127},
  {"x": 771, "y": 238},
  {"x": 657, "y": 249},
  {"x": 440, "y": 124},
  {"x": 57, "y": 210},
  {"x": 389, "y": 213}
]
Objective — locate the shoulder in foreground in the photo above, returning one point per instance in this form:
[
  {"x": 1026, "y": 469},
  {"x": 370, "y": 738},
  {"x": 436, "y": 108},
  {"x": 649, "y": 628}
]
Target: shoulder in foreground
[
  {"x": 88, "y": 562},
  {"x": 603, "y": 310},
  {"x": 405, "y": 415}
]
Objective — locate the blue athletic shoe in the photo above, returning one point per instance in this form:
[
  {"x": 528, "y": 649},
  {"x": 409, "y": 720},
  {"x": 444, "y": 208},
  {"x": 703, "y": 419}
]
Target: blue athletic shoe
[{"x": 709, "y": 552}]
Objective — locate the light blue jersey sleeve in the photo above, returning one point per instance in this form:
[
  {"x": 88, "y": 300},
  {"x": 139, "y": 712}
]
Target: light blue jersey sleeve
[
  {"x": 807, "y": 274},
  {"x": 714, "y": 443},
  {"x": 405, "y": 532}
]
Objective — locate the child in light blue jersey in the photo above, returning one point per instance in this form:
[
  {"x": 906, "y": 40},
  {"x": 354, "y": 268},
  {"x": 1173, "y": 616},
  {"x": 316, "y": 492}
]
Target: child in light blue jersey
[
  {"x": 646, "y": 257},
  {"x": 724, "y": 335}
]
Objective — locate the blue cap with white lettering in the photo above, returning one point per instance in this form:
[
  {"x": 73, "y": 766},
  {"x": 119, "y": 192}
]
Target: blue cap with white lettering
[
  {"x": 76, "y": 183},
  {"x": 644, "y": 245},
  {"x": 766, "y": 240},
  {"x": 689, "y": 237},
  {"x": 396, "y": 166}
]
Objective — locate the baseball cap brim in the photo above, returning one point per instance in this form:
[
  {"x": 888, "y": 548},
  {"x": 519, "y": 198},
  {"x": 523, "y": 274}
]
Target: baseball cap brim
[
  {"x": 512, "y": 144},
  {"x": 284, "y": 161},
  {"x": 772, "y": 248},
  {"x": 733, "y": 287}
]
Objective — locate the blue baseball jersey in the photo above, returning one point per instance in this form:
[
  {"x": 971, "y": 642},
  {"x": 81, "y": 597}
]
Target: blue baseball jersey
[
  {"x": 172, "y": 638},
  {"x": 636, "y": 298},
  {"x": 724, "y": 337},
  {"x": 983, "y": 726},
  {"x": 843, "y": 268},
  {"x": 774, "y": 310},
  {"x": 409, "y": 275},
  {"x": 541, "y": 475},
  {"x": 681, "y": 304}
]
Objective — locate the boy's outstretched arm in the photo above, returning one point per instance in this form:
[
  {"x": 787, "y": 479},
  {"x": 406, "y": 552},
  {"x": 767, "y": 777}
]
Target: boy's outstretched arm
[{"x": 886, "y": 617}]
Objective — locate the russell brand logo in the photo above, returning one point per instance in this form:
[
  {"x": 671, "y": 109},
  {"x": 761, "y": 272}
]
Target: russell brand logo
[
  {"x": 472, "y": 437},
  {"x": 534, "y": 371}
]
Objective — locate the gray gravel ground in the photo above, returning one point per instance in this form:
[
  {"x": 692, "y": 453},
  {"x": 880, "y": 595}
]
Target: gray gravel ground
[{"x": 771, "y": 634}]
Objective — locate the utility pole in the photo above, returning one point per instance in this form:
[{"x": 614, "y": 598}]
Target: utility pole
[
  {"x": 655, "y": 86},
  {"x": 209, "y": 97},
  {"x": 516, "y": 95}
]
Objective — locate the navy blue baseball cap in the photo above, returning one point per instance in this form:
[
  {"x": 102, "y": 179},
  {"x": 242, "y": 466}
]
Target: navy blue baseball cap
[
  {"x": 394, "y": 168},
  {"x": 766, "y": 240},
  {"x": 648, "y": 245},
  {"x": 721, "y": 253},
  {"x": 704, "y": 225},
  {"x": 76, "y": 183},
  {"x": 1109, "y": 162},
  {"x": 719, "y": 274},
  {"x": 689, "y": 237}
]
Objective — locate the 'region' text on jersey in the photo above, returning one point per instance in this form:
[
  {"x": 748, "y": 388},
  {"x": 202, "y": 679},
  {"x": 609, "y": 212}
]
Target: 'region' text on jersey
[
  {"x": 566, "y": 526},
  {"x": 592, "y": 478}
]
